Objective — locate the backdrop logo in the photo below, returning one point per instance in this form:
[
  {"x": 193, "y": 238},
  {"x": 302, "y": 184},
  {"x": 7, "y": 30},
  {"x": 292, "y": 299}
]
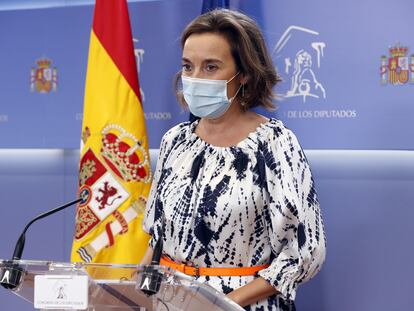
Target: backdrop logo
[
  {"x": 398, "y": 68},
  {"x": 43, "y": 78},
  {"x": 299, "y": 53},
  {"x": 139, "y": 59}
]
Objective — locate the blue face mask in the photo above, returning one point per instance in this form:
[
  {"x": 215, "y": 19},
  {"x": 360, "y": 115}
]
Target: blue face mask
[{"x": 207, "y": 98}]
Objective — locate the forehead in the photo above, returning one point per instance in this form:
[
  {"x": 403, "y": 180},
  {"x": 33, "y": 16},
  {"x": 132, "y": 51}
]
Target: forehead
[{"x": 207, "y": 46}]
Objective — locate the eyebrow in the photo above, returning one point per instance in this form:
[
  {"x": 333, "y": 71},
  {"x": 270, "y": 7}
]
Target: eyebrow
[{"x": 208, "y": 60}]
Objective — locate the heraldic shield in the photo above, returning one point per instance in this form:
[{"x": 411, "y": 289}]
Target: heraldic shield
[{"x": 103, "y": 179}]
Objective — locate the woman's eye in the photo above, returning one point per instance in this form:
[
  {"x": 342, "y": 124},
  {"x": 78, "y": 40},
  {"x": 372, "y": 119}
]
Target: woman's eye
[
  {"x": 186, "y": 67},
  {"x": 211, "y": 67}
]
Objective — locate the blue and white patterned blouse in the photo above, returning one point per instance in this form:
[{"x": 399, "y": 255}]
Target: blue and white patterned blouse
[{"x": 246, "y": 205}]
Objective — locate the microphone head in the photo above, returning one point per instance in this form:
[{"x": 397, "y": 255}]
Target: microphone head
[
  {"x": 150, "y": 280},
  {"x": 11, "y": 276}
]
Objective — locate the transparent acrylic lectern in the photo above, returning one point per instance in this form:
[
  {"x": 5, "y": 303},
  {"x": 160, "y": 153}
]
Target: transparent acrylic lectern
[{"x": 116, "y": 287}]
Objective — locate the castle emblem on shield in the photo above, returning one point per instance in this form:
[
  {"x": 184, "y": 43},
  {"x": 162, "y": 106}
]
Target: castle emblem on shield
[
  {"x": 43, "y": 78},
  {"x": 398, "y": 68}
]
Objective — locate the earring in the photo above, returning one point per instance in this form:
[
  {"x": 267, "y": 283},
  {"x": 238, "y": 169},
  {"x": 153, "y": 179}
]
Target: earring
[{"x": 242, "y": 102}]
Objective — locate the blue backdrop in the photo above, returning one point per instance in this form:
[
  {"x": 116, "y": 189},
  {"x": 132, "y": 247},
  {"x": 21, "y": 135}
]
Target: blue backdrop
[
  {"x": 328, "y": 53},
  {"x": 347, "y": 71}
]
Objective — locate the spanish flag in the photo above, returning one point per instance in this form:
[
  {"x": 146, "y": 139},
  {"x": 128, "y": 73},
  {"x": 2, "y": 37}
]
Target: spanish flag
[{"x": 114, "y": 170}]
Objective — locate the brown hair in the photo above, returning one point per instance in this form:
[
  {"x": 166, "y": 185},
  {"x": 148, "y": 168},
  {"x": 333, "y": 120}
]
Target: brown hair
[{"x": 248, "y": 49}]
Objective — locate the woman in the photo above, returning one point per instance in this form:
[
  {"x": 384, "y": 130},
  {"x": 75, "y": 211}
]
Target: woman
[{"x": 233, "y": 189}]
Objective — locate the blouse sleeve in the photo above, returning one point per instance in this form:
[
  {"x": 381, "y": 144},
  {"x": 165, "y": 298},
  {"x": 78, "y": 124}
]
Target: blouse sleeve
[
  {"x": 293, "y": 217},
  {"x": 153, "y": 212}
]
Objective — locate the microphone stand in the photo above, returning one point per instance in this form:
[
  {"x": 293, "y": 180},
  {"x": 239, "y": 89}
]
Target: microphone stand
[{"x": 11, "y": 276}]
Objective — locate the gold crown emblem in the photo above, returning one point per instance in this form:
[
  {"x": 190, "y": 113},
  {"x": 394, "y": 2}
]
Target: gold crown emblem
[
  {"x": 44, "y": 63},
  {"x": 125, "y": 154},
  {"x": 398, "y": 51}
]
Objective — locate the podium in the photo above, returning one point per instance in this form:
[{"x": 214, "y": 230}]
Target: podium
[{"x": 102, "y": 287}]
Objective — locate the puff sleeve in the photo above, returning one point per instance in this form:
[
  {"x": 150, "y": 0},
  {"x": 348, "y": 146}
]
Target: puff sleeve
[
  {"x": 292, "y": 214},
  {"x": 153, "y": 212}
]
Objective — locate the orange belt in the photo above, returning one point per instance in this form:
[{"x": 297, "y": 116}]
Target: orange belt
[{"x": 200, "y": 271}]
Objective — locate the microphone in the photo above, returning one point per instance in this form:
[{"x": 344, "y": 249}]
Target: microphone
[
  {"x": 151, "y": 277},
  {"x": 156, "y": 255},
  {"x": 18, "y": 250},
  {"x": 11, "y": 275}
]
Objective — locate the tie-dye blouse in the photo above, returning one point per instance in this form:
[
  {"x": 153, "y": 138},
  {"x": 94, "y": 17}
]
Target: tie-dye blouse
[{"x": 250, "y": 204}]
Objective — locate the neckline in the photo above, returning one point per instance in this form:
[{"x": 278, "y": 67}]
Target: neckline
[{"x": 240, "y": 144}]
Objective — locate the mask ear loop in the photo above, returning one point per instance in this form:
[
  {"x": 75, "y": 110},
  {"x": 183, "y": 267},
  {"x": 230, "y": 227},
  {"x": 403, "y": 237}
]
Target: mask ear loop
[
  {"x": 237, "y": 92},
  {"x": 242, "y": 102},
  {"x": 228, "y": 81}
]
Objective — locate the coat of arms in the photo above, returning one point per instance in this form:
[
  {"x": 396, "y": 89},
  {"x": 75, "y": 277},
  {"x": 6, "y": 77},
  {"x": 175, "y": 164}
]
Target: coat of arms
[
  {"x": 102, "y": 180},
  {"x": 398, "y": 68},
  {"x": 43, "y": 78}
]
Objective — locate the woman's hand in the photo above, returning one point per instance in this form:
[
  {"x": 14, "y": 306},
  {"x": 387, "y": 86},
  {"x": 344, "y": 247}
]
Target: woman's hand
[
  {"x": 146, "y": 260},
  {"x": 256, "y": 290}
]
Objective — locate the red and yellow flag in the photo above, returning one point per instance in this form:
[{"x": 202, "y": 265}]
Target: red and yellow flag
[{"x": 114, "y": 170}]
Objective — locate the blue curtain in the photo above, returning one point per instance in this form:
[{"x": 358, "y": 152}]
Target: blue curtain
[{"x": 212, "y": 4}]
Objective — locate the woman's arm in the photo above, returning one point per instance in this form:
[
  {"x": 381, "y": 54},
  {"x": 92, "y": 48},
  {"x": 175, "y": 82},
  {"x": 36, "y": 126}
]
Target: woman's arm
[
  {"x": 295, "y": 225},
  {"x": 146, "y": 260},
  {"x": 256, "y": 290}
]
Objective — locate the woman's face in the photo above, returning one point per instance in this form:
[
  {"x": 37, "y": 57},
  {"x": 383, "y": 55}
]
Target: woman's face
[{"x": 208, "y": 56}]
